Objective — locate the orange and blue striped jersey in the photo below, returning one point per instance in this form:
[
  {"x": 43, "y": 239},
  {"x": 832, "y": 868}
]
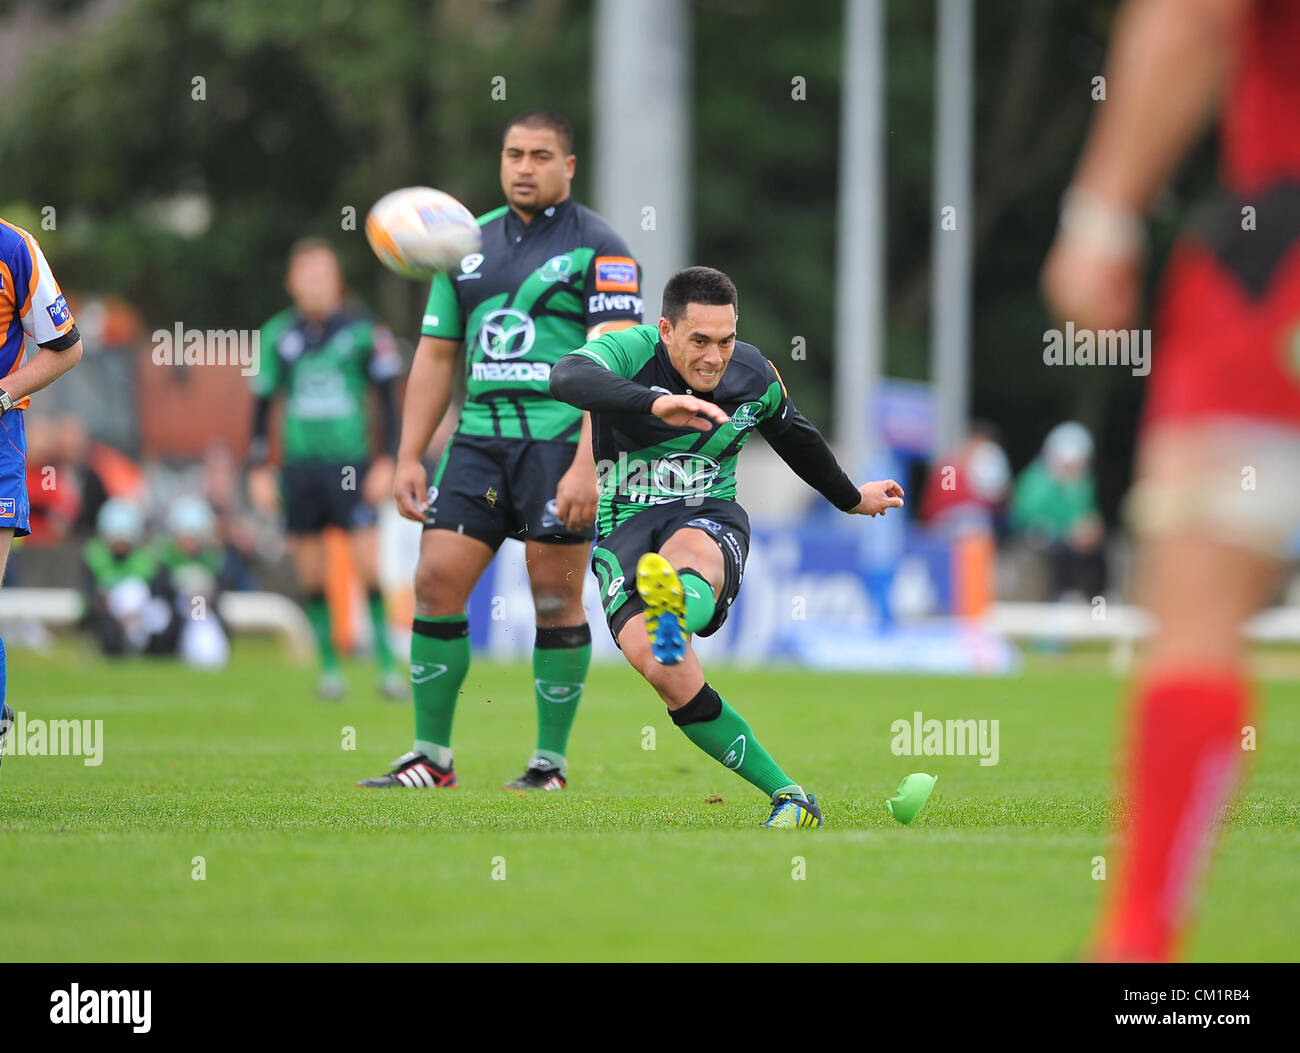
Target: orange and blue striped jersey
[{"x": 31, "y": 303}]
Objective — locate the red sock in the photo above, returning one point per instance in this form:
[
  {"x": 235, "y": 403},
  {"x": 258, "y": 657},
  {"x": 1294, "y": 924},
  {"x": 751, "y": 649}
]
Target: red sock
[{"x": 1182, "y": 766}]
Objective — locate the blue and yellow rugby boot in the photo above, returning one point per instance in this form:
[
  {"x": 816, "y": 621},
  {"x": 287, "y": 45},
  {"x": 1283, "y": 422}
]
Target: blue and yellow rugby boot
[
  {"x": 665, "y": 607},
  {"x": 789, "y": 812}
]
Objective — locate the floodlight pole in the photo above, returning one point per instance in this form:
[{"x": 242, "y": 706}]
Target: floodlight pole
[
  {"x": 860, "y": 253},
  {"x": 641, "y": 133},
  {"x": 953, "y": 219}
]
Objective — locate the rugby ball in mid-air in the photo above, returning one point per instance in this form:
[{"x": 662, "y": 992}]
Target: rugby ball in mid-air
[{"x": 417, "y": 230}]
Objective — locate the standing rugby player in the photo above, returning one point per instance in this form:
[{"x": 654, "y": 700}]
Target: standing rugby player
[
  {"x": 324, "y": 355},
  {"x": 673, "y": 405},
  {"x": 31, "y": 305},
  {"x": 1224, "y": 397},
  {"x": 550, "y": 275}
]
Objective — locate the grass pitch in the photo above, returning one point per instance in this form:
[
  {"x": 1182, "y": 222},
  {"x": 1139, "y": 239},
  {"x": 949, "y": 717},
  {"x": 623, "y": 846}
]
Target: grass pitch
[{"x": 651, "y": 855}]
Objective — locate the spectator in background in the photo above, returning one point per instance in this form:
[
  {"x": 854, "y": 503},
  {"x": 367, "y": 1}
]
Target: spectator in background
[
  {"x": 123, "y": 611},
  {"x": 75, "y": 451},
  {"x": 51, "y": 491},
  {"x": 1055, "y": 509},
  {"x": 69, "y": 477},
  {"x": 236, "y": 531},
  {"x": 968, "y": 488},
  {"x": 193, "y": 566}
]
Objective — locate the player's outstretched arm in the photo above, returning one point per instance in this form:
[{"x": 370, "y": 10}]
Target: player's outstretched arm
[
  {"x": 801, "y": 446},
  {"x": 583, "y": 382},
  {"x": 428, "y": 394},
  {"x": 687, "y": 411},
  {"x": 578, "y": 491},
  {"x": 878, "y": 498}
]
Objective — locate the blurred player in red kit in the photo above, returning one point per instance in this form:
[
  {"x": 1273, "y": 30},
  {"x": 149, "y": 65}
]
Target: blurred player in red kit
[{"x": 1216, "y": 499}]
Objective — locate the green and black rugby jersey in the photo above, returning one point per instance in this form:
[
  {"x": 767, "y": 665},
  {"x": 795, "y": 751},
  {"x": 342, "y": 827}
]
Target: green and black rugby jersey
[
  {"x": 642, "y": 462},
  {"x": 527, "y": 297},
  {"x": 324, "y": 372}
]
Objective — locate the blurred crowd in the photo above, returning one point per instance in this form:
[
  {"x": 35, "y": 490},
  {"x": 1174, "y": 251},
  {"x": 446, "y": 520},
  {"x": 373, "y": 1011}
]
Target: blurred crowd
[
  {"x": 157, "y": 595},
  {"x": 156, "y": 544},
  {"x": 1045, "y": 519}
]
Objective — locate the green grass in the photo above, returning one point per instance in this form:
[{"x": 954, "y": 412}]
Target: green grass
[{"x": 635, "y": 862}]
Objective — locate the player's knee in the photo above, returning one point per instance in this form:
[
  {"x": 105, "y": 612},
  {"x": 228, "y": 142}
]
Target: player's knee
[
  {"x": 549, "y": 603},
  {"x": 660, "y": 677},
  {"x": 436, "y": 594}
]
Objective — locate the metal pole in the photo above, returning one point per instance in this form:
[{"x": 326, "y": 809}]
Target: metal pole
[
  {"x": 642, "y": 127},
  {"x": 950, "y": 302},
  {"x": 860, "y": 269}
]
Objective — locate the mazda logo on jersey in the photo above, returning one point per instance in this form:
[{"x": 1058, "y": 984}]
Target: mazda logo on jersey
[
  {"x": 684, "y": 474},
  {"x": 506, "y": 334}
]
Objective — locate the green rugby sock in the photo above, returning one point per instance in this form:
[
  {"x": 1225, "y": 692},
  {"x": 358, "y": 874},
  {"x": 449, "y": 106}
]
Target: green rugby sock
[
  {"x": 439, "y": 663},
  {"x": 379, "y": 628},
  {"x": 722, "y": 733},
  {"x": 700, "y": 601},
  {"x": 318, "y": 614},
  {"x": 561, "y": 657}
]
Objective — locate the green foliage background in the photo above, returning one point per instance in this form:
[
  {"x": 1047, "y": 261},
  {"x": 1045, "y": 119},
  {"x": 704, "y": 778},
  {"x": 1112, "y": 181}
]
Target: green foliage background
[{"x": 315, "y": 105}]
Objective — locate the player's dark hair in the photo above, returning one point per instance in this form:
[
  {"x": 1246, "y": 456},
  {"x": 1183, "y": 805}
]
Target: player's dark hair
[
  {"x": 310, "y": 243},
  {"x": 545, "y": 119},
  {"x": 701, "y": 285}
]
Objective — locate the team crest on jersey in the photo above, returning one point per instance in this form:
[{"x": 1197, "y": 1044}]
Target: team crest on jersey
[
  {"x": 469, "y": 264},
  {"x": 616, "y": 274},
  {"x": 491, "y": 496},
  {"x": 556, "y": 269},
  {"x": 746, "y": 415}
]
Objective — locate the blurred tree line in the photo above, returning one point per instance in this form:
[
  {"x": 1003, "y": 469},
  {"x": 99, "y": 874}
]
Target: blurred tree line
[{"x": 310, "y": 107}]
